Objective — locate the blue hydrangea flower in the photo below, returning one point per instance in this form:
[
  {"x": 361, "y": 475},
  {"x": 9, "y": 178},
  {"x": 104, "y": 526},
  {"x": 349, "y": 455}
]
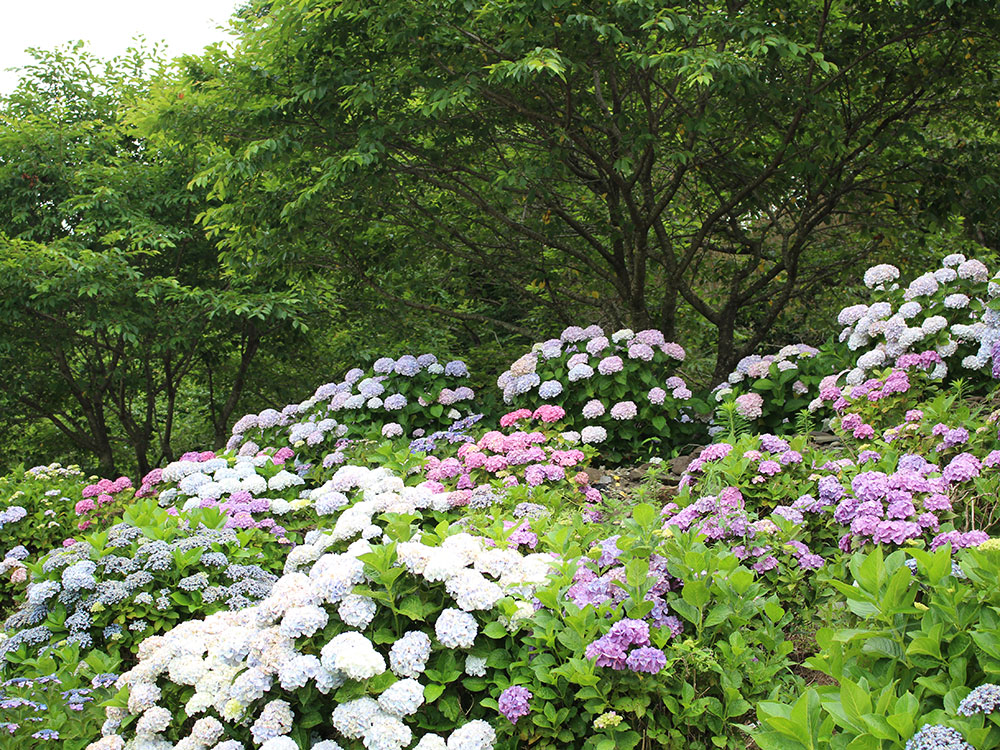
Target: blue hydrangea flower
[
  {"x": 983, "y": 700},
  {"x": 937, "y": 737},
  {"x": 550, "y": 389}
]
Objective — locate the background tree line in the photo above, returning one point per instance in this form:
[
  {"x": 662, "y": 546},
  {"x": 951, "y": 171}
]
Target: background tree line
[{"x": 183, "y": 241}]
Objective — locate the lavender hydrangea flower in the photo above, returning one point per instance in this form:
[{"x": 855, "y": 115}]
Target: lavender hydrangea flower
[
  {"x": 395, "y": 402},
  {"x": 514, "y": 703},
  {"x": 624, "y": 410},
  {"x": 610, "y": 365},
  {"x": 647, "y": 659}
]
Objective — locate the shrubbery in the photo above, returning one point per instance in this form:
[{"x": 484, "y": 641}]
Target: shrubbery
[{"x": 343, "y": 576}]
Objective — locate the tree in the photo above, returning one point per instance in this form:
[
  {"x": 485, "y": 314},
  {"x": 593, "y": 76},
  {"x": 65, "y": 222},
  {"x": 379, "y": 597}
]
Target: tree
[
  {"x": 112, "y": 301},
  {"x": 623, "y": 160}
]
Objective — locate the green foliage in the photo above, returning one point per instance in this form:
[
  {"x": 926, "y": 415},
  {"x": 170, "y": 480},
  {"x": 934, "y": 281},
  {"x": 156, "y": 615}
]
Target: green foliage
[
  {"x": 921, "y": 640},
  {"x": 527, "y": 160},
  {"x": 112, "y": 302}
]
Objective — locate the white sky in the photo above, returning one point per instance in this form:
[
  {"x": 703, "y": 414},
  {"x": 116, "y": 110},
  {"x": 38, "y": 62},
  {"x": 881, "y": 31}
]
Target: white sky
[{"x": 108, "y": 25}]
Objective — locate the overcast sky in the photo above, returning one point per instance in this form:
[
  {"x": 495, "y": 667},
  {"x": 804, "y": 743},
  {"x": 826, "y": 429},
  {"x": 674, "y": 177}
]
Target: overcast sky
[{"x": 108, "y": 25}]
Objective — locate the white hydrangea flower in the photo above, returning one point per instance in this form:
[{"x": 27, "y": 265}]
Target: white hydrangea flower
[
  {"x": 973, "y": 270},
  {"x": 878, "y": 276},
  {"x": 303, "y": 621},
  {"x": 352, "y": 654},
  {"x": 431, "y": 742},
  {"x": 352, "y": 718},
  {"x": 456, "y": 629},
  {"x": 956, "y": 301},
  {"x": 402, "y": 698},
  {"x": 855, "y": 376},
  {"x": 408, "y": 655},
  {"x": 476, "y": 735},
  {"x": 357, "y": 610},
  {"x": 934, "y": 324},
  {"x": 871, "y": 359},
  {"x": 475, "y": 666},
  {"x": 275, "y": 720},
  {"x": 472, "y": 591},
  {"x": 387, "y": 732}
]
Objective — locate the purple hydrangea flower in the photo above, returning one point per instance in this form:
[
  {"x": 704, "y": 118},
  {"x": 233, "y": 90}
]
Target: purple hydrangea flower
[
  {"x": 610, "y": 365},
  {"x": 648, "y": 660},
  {"x": 514, "y": 703}
]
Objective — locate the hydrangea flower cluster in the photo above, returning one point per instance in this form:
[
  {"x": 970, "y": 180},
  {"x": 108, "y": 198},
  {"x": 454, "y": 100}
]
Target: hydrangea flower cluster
[
  {"x": 94, "y": 506},
  {"x": 757, "y": 543},
  {"x": 110, "y": 591},
  {"x": 627, "y": 646},
  {"x": 596, "y": 582},
  {"x": 529, "y": 454},
  {"x": 317, "y": 629},
  {"x": 826, "y": 504},
  {"x": 937, "y": 737},
  {"x": 621, "y": 388},
  {"x": 393, "y": 397},
  {"x": 947, "y": 310}
]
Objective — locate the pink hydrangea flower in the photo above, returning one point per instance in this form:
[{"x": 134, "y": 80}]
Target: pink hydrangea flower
[
  {"x": 549, "y": 413},
  {"x": 514, "y": 416}
]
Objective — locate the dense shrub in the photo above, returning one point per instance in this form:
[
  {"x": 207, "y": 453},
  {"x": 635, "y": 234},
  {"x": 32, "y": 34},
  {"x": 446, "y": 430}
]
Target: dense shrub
[
  {"x": 620, "y": 392},
  {"x": 109, "y": 590},
  {"x": 767, "y": 393},
  {"x": 409, "y": 396},
  {"x": 921, "y": 661},
  {"x": 952, "y": 311}
]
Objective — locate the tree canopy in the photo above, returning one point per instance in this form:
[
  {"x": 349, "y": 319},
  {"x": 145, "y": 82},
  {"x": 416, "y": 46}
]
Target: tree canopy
[
  {"x": 112, "y": 301},
  {"x": 628, "y": 161}
]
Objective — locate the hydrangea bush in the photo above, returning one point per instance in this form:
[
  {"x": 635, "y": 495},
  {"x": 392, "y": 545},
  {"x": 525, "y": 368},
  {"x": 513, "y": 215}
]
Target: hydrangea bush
[
  {"x": 109, "y": 590},
  {"x": 528, "y": 451},
  {"x": 951, "y": 310},
  {"x": 376, "y": 633},
  {"x": 620, "y": 392},
  {"x": 769, "y": 391},
  {"x": 409, "y": 396},
  {"x": 264, "y": 491},
  {"x": 37, "y": 512}
]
